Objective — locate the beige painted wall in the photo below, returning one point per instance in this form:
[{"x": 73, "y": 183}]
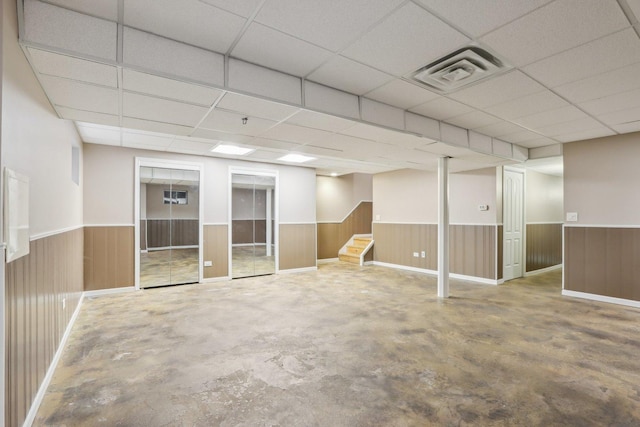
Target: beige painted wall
[
  {"x": 602, "y": 180},
  {"x": 156, "y": 209},
  {"x": 35, "y": 142},
  {"x": 103, "y": 205},
  {"x": 411, "y": 196},
  {"x": 544, "y": 201},
  {"x": 337, "y": 196}
]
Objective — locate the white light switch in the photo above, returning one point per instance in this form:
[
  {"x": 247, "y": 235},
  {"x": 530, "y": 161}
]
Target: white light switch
[
  {"x": 208, "y": 264},
  {"x": 423, "y": 254},
  {"x": 572, "y": 216},
  {"x": 416, "y": 255},
  {"x": 377, "y": 217}
]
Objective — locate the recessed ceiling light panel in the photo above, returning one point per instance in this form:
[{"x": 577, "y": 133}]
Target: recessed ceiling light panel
[
  {"x": 232, "y": 150},
  {"x": 459, "y": 69},
  {"x": 296, "y": 158}
]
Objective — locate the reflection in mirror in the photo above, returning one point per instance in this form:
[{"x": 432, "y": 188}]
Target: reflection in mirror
[
  {"x": 253, "y": 225},
  {"x": 169, "y": 226}
]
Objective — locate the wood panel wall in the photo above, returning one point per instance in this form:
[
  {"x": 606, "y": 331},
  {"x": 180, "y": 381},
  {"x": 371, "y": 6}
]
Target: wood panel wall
[
  {"x": 297, "y": 246},
  {"x": 163, "y": 233},
  {"x": 216, "y": 250},
  {"x": 243, "y": 231},
  {"x": 473, "y": 248},
  {"x": 544, "y": 246},
  {"x": 500, "y": 262},
  {"x": 108, "y": 257},
  {"x": 602, "y": 261},
  {"x": 35, "y": 287},
  {"x": 332, "y": 236}
]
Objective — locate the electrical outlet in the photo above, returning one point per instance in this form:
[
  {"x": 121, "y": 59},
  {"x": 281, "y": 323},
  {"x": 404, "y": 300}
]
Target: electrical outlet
[
  {"x": 572, "y": 216},
  {"x": 208, "y": 263},
  {"x": 377, "y": 217},
  {"x": 423, "y": 254},
  {"x": 416, "y": 255},
  {"x": 64, "y": 303}
]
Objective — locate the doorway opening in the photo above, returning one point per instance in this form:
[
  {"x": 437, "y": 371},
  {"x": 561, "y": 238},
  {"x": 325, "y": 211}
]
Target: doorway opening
[
  {"x": 253, "y": 231},
  {"x": 168, "y": 221}
]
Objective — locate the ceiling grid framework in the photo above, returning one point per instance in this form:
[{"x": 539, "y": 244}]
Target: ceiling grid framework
[{"x": 342, "y": 66}]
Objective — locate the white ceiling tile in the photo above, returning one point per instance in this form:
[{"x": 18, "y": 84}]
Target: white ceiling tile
[
  {"x": 573, "y": 126},
  {"x": 73, "y": 68},
  {"x": 442, "y": 108},
  {"x": 317, "y": 150},
  {"x": 472, "y": 120},
  {"x": 527, "y": 105},
  {"x": 243, "y": 8},
  {"x": 599, "y": 56},
  {"x": 256, "y": 107},
  {"x": 190, "y": 145},
  {"x": 547, "y": 118},
  {"x": 263, "y": 81},
  {"x": 454, "y": 135},
  {"x": 168, "y": 88},
  {"x": 80, "y": 96},
  {"x": 499, "y": 129},
  {"x": 293, "y": 133},
  {"x": 613, "y": 103},
  {"x": 100, "y": 135},
  {"x": 88, "y": 116},
  {"x": 635, "y": 7},
  {"x": 540, "y": 142},
  {"x": 213, "y": 135},
  {"x": 446, "y": 150},
  {"x": 424, "y": 126},
  {"x": 140, "y": 146},
  {"x": 585, "y": 134},
  {"x": 267, "y": 155},
  {"x": 602, "y": 85},
  {"x": 274, "y": 144},
  {"x": 401, "y": 94},
  {"x": 480, "y": 142},
  {"x": 397, "y": 45},
  {"x": 188, "y": 21},
  {"x": 621, "y": 117},
  {"x": 334, "y": 101},
  {"x": 382, "y": 114},
  {"x": 521, "y": 136},
  {"x": 347, "y": 75},
  {"x": 161, "y": 110},
  {"x": 627, "y": 127},
  {"x": 226, "y": 121},
  {"x": 311, "y": 119},
  {"x": 480, "y": 17},
  {"x": 386, "y": 136},
  {"x": 558, "y": 26},
  {"x": 132, "y": 137},
  {"x": 106, "y": 9},
  {"x": 265, "y": 46},
  {"x": 328, "y": 23},
  {"x": 151, "y": 126},
  {"x": 347, "y": 143},
  {"x": 497, "y": 90}
]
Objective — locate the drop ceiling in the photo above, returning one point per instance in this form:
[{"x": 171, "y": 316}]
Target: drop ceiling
[{"x": 331, "y": 79}]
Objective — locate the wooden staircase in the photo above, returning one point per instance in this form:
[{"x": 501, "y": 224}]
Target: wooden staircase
[{"x": 354, "y": 249}]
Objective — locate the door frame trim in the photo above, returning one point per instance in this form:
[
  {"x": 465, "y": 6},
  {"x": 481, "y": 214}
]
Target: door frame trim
[
  {"x": 524, "y": 219},
  {"x": 276, "y": 217},
  {"x": 167, "y": 164}
]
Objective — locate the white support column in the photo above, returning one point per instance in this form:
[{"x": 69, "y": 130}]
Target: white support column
[
  {"x": 443, "y": 227},
  {"x": 269, "y": 218}
]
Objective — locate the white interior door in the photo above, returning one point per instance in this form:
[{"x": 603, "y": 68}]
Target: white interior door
[{"x": 513, "y": 218}]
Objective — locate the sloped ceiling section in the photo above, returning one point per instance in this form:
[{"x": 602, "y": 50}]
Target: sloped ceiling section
[{"x": 103, "y": 65}]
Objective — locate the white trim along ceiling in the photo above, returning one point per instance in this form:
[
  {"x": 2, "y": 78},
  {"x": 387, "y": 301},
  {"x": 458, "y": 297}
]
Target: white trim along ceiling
[{"x": 333, "y": 79}]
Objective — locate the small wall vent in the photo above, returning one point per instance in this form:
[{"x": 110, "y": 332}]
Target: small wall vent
[{"x": 459, "y": 69}]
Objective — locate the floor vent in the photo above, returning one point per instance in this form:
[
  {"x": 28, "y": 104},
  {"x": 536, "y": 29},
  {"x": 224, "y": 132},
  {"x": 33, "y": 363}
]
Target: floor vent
[{"x": 459, "y": 69}]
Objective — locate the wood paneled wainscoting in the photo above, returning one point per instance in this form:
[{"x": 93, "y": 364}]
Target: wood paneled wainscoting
[
  {"x": 108, "y": 257},
  {"x": 333, "y": 235},
  {"x": 216, "y": 250},
  {"x": 42, "y": 291},
  {"x": 474, "y": 249},
  {"x": 544, "y": 246},
  {"x": 602, "y": 262},
  {"x": 297, "y": 245}
]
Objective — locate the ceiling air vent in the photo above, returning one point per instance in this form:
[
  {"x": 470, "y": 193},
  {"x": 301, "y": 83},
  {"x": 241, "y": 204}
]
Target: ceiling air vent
[{"x": 458, "y": 69}]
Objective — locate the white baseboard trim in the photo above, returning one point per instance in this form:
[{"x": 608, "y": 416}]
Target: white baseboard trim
[
  {"x": 298, "y": 270},
  {"x": 601, "y": 298},
  {"x": 456, "y": 276},
  {"x": 327, "y": 260},
  {"x": 164, "y": 248},
  {"x": 216, "y": 279},
  {"x": 543, "y": 270},
  {"x": 100, "y": 292},
  {"x": 37, "y": 401}
]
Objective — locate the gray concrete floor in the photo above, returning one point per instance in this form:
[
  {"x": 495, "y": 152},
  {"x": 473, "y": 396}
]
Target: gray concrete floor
[{"x": 349, "y": 346}]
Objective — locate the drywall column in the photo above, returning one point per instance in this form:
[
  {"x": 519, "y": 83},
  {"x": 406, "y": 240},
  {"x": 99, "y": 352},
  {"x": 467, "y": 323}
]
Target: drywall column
[
  {"x": 268, "y": 225},
  {"x": 443, "y": 227}
]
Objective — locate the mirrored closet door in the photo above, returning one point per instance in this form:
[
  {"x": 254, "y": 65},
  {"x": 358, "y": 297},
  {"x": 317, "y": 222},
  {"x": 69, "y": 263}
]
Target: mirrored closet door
[
  {"x": 169, "y": 226},
  {"x": 253, "y": 225}
]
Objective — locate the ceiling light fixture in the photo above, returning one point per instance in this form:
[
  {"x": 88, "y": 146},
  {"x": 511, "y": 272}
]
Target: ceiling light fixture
[
  {"x": 334, "y": 174},
  {"x": 233, "y": 150},
  {"x": 296, "y": 158}
]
